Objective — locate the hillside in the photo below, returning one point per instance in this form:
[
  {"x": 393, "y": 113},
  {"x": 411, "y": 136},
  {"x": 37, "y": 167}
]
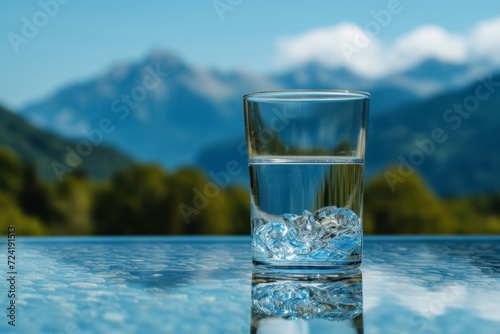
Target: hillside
[
  {"x": 42, "y": 149},
  {"x": 465, "y": 163},
  {"x": 464, "y": 159}
]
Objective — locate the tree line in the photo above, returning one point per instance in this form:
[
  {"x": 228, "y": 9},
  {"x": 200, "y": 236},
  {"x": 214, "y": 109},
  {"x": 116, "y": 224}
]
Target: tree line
[
  {"x": 140, "y": 200},
  {"x": 147, "y": 200}
]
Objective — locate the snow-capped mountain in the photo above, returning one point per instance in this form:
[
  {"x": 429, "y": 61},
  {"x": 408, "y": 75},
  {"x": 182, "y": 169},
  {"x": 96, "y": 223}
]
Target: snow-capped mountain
[{"x": 163, "y": 109}]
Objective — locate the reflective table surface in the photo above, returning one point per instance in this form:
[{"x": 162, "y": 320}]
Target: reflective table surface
[{"x": 208, "y": 285}]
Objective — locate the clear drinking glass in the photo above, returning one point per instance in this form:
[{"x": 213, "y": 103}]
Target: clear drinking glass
[{"x": 306, "y": 152}]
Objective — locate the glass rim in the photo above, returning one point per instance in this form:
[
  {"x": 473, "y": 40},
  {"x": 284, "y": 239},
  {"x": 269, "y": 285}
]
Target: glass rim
[{"x": 299, "y": 94}]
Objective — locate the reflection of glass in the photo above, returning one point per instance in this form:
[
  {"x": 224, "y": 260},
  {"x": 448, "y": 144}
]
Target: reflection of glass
[{"x": 302, "y": 303}]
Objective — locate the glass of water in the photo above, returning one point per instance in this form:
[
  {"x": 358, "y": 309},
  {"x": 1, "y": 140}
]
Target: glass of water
[{"x": 306, "y": 152}]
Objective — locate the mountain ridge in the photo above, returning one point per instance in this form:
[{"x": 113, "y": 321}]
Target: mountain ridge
[
  {"x": 193, "y": 109},
  {"x": 190, "y": 100}
]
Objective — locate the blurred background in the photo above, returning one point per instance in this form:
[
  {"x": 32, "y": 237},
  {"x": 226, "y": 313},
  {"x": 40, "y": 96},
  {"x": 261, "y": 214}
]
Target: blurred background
[{"x": 126, "y": 117}]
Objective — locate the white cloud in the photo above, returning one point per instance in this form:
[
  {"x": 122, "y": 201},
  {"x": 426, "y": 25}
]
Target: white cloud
[
  {"x": 428, "y": 41},
  {"x": 323, "y": 45},
  {"x": 319, "y": 45},
  {"x": 348, "y": 45},
  {"x": 485, "y": 42}
]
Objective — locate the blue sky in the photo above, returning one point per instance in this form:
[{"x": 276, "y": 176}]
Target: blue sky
[{"x": 84, "y": 38}]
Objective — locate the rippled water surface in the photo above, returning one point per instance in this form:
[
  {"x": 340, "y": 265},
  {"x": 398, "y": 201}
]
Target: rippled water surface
[{"x": 204, "y": 285}]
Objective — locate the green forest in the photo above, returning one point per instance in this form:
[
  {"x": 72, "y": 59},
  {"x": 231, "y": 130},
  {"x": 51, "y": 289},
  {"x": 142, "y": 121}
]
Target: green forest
[{"x": 147, "y": 200}]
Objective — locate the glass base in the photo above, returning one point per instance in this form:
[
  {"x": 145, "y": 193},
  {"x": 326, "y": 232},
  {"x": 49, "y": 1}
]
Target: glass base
[{"x": 309, "y": 265}]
